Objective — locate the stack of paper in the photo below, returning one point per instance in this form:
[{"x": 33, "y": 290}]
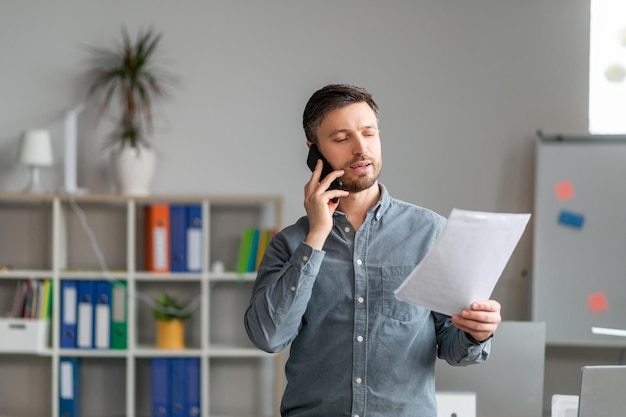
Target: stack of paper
[{"x": 465, "y": 262}]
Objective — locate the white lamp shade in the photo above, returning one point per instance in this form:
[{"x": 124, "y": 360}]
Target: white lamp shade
[{"x": 36, "y": 148}]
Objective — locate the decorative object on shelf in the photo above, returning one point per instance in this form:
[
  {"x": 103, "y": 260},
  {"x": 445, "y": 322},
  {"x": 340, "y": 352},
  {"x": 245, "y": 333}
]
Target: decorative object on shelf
[
  {"x": 36, "y": 152},
  {"x": 71, "y": 151},
  {"x": 128, "y": 72},
  {"x": 170, "y": 328}
]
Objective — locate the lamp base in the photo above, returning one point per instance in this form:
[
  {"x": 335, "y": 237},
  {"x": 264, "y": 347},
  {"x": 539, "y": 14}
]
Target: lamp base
[
  {"x": 34, "y": 186},
  {"x": 74, "y": 191}
]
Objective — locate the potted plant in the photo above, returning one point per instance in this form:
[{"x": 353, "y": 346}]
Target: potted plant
[
  {"x": 170, "y": 315},
  {"x": 126, "y": 74}
]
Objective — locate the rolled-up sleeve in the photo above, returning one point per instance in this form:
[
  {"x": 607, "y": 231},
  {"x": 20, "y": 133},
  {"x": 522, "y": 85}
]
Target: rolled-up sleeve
[
  {"x": 455, "y": 346},
  {"x": 281, "y": 293}
]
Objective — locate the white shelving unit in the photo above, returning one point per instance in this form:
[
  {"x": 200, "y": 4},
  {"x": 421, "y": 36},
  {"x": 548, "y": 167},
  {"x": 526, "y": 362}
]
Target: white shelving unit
[{"x": 42, "y": 236}]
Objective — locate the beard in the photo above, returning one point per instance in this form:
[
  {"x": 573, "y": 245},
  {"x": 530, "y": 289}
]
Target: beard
[{"x": 362, "y": 182}]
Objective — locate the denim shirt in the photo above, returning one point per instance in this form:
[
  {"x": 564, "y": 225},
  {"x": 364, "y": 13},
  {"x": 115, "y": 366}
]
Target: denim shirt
[{"x": 356, "y": 350}]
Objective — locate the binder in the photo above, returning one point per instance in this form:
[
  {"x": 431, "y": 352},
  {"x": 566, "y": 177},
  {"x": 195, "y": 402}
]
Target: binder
[
  {"x": 193, "y": 387},
  {"x": 194, "y": 238},
  {"x": 178, "y": 389},
  {"x": 85, "y": 307},
  {"x": 102, "y": 321},
  {"x": 178, "y": 239},
  {"x": 69, "y": 297},
  {"x": 159, "y": 387},
  {"x": 68, "y": 387},
  {"x": 119, "y": 315},
  {"x": 157, "y": 225}
]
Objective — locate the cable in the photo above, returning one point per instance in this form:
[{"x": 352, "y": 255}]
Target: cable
[{"x": 189, "y": 308}]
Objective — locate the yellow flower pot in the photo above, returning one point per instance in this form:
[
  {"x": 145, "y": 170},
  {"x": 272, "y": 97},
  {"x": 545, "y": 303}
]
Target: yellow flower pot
[{"x": 170, "y": 334}]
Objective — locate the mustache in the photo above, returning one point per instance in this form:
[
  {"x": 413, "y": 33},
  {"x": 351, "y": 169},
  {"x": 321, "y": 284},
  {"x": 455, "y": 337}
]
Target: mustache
[{"x": 358, "y": 159}]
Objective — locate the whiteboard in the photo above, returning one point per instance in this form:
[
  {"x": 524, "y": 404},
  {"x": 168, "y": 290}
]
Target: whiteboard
[{"x": 579, "y": 251}]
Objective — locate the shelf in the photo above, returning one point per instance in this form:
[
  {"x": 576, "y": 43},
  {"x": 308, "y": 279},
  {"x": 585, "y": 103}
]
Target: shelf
[
  {"x": 25, "y": 274},
  {"x": 99, "y": 237}
]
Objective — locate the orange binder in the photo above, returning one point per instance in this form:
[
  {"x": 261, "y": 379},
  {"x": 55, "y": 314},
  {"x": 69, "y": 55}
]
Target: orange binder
[{"x": 157, "y": 239}]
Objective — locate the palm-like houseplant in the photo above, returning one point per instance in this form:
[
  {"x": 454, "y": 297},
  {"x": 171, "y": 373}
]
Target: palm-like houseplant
[{"x": 127, "y": 74}]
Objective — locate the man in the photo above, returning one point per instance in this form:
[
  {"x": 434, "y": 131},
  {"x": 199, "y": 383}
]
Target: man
[{"x": 325, "y": 284}]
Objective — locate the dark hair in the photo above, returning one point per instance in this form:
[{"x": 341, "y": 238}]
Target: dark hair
[{"x": 330, "y": 98}]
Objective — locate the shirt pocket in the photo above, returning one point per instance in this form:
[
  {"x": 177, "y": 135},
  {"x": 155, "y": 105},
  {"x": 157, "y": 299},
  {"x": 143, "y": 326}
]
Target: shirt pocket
[{"x": 392, "y": 278}]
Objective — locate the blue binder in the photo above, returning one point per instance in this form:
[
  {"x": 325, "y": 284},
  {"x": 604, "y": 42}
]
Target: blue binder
[
  {"x": 102, "y": 318},
  {"x": 193, "y": 387},
  {"x": 178, "y": 374},
  {"x": 159, "y": 387},
  {"x": 85, "y": 318},
  {"x": 69, "y": 296},
  {"x": 194, "y": 238},
  {"x": 178, "y": 240},
  {"x": 68, "y": 387}
]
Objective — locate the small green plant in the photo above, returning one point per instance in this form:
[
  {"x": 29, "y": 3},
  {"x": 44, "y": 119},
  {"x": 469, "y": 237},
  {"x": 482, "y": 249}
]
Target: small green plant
[{"x": 168, "y": 308}]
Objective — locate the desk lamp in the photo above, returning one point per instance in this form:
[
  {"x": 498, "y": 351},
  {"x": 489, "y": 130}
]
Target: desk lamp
[{"x": 36, "y": 152}]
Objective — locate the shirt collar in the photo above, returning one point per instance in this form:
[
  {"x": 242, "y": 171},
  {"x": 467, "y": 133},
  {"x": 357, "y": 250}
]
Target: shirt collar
[{"x": 379, "y": 208}]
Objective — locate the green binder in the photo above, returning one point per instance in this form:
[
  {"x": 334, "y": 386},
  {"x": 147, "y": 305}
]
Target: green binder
[{"x": 119, "y": 315}]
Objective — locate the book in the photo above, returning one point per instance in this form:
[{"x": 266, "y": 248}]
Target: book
[
  {"x": 254, "y": 248},
  {"x": 245, "y": 247},
  {"x": 266, "y": 236}
]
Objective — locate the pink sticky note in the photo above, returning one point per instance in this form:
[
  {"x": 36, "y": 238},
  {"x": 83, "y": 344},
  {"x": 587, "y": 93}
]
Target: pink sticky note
[
  {"x": 564, "y": 190},
  {"x": 597, "y": 302}
]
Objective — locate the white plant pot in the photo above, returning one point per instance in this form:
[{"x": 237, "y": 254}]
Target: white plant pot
[{"x": 134, "y": 170}]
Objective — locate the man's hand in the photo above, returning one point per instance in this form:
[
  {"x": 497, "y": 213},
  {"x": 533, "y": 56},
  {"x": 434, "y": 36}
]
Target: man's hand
[
  {"x": 319, "y": 205},
  {"x": 480, "y": 321}
]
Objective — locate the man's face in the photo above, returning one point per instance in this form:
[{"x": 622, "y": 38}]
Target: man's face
[{"x": 349, "y": 139}]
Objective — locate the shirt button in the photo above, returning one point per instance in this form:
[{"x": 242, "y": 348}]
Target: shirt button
[
  {"x": 378, "y": 215},
  {"x": 293, "y": 288},
  {"x": 358, "y": 380},
  {"x": 359, "y": 338},
  {"x": 359, "y": 262},
  {"x": 361, "y": 300},
  {"x": 346, "y": 229},
  {"x": 305, "y": 258}
]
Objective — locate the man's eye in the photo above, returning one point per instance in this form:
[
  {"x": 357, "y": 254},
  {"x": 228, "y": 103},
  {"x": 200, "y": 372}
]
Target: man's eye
[{"x": 340, "y": 139}]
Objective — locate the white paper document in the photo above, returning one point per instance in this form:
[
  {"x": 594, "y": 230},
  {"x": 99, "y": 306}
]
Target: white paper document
[{"x": 465, "y": 262}]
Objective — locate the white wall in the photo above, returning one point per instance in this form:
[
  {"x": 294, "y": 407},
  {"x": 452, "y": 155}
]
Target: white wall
[{"x": 462, "y": 85}]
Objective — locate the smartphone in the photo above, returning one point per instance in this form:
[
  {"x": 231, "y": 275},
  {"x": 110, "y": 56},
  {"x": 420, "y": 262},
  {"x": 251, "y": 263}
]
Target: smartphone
[{"x": 311, "y": 160}]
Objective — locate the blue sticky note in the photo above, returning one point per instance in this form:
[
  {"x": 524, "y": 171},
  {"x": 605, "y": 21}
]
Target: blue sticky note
[{"x": 568, "y": 218}]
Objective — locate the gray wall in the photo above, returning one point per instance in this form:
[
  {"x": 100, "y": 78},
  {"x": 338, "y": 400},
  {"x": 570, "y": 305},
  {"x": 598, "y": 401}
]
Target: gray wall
[{"x": 462, "y": 86}]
